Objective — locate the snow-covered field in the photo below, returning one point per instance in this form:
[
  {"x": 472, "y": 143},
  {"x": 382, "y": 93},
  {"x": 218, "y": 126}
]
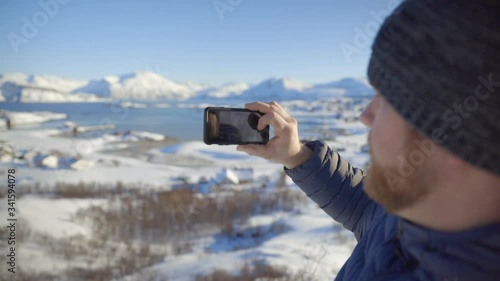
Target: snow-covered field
[{"x": 89, "y": 206}]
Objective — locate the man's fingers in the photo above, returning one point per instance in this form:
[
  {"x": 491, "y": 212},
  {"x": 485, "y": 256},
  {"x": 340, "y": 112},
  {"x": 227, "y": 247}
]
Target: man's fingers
[
  {"x": 268, "y": 108},
  {"x": 247, "y": 148},
  {"x": 257, "y": 106},
  {"x": 275, "y": 105},
  {"x": 273, "y": 119},
  {"x": 253, "y": 149}
]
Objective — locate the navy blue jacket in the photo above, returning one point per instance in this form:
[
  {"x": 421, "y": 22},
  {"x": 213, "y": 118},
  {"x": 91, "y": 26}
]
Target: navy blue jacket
[{"x": 391, "y": 248}]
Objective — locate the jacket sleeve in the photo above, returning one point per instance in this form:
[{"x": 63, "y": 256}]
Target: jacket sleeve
[{"x": 337, "y": 188}]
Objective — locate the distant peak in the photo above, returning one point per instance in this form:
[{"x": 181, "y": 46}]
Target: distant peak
[
  {"x": 127, "y": 76},
  {"x": 286, "y": 83},
  {"x": 143, "y": 74}
]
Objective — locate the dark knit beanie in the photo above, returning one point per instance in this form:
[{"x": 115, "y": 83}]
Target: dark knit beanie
[{"x": 437, "y": 62}]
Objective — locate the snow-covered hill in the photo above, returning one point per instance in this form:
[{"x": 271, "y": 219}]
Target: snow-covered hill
[
  {"x": 142, "y": 85},
  {"x": 276, "y": 89},
  {"x": 228, "y": 90},
  {"x": 149, "y": 85},
  {"x": 351, "y": 87},
  {"x": 20, "y": 87},
  {"x": 290, "y": 89},
  {"x": 100, "y": 88},
  {"x": 61, "y": 84},
  {"x": 146, "y": 85}
]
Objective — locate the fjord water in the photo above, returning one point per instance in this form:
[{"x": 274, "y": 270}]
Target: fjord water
[{"x": 181, "y": 123}]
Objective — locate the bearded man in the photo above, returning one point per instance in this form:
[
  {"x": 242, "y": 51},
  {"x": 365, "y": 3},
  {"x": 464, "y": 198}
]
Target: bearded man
[{"x": 428, "y": 207}]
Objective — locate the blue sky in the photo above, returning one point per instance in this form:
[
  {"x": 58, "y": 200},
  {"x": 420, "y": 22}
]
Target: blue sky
[{"x": 188, "y": 40}]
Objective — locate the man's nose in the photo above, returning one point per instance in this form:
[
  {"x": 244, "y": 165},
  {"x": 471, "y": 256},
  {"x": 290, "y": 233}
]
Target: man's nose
[{"x": 368, "y": 114}]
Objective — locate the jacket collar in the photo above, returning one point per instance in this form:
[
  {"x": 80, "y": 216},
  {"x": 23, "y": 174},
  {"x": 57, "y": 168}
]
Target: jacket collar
[{"x": 468, "y": 255}]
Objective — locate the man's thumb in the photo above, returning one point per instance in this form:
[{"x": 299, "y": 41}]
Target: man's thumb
[{"x": 251, "y": 149}]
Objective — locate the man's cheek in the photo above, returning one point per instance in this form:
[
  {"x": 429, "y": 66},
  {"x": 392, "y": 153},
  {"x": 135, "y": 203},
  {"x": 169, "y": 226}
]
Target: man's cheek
[{"x": 383, "y": 146}]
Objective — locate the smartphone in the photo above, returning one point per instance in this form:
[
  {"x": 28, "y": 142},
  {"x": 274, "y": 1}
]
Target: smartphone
[{"x": 225, "y": 126}]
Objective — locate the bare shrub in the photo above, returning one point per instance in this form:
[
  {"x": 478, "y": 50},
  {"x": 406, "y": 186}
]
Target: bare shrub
[
  {"x": 24, "y": 276},
  {"x": 80, "y": 190},
  {"x": 248, "y": 272},
  {"x": 148, "y": 217},
  {"x": 23, "y": 230},
  {"x": 126, "y": 229},
  {"x": 217, "y": 275},
  {"x": 236, "y": 209},
  {"x": 181, "y": 214},
  {"x": 105, "y": 259}
]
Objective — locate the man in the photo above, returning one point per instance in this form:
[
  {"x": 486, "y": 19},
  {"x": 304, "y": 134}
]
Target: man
[{"x": 428, "y": 208}]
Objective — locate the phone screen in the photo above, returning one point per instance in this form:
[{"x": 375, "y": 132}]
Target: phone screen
[{"x": 233, "y": 126}]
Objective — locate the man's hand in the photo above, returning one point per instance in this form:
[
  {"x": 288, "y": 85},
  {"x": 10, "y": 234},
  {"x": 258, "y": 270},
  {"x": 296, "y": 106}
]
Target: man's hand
[{"x": 285, "y": 146}]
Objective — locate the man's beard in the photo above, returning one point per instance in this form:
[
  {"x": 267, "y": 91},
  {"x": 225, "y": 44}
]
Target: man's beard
[{"x": 394, "y": 191}]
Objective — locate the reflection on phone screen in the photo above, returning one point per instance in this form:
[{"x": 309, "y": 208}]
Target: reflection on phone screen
[{"x": 227, "y": 126}]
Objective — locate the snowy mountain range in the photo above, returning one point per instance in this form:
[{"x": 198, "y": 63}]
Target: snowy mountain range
[{"x": 147, "y": 86}]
